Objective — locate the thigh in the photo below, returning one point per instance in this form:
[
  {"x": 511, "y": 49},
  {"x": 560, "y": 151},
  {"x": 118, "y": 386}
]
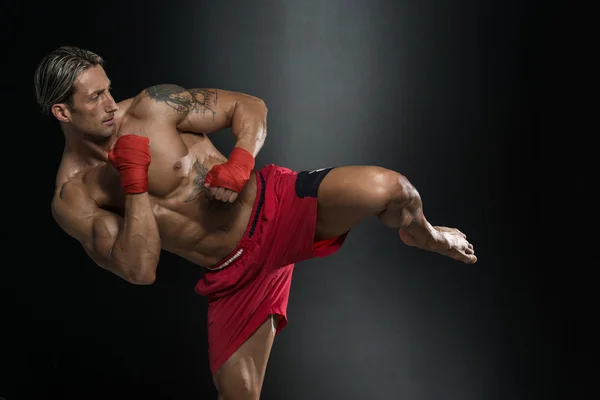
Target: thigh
[
  {"x": 242, "y": 375},
  {"x": 348, "y": 195}
]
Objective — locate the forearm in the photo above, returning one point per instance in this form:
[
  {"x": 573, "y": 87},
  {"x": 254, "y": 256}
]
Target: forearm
[
  {"x": 249, "y": 124},
  {"x": 137, "y": 247}
]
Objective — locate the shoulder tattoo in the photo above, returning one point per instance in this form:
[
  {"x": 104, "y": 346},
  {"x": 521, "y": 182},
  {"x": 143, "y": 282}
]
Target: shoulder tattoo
[{"x": 183, "y": 100}]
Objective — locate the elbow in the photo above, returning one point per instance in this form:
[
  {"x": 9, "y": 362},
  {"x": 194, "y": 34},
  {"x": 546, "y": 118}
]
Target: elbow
[
  {"x": 263, "y": 105},
  {"x": 141, "y": 274},
  {"x": 258, "y": 104},
  {"x": 139, "y": 269},
  {"x": 141, "y": 278}
]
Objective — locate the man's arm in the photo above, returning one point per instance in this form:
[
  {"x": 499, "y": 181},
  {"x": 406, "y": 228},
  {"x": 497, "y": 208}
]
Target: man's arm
[
  {"x": 216, "y": 109},
  {"x": 128, "y": 247},
  {"x": 211, "y": 110}
]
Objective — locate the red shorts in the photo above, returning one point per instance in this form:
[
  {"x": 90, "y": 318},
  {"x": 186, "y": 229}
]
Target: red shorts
[{"x": 254, "y": 280}]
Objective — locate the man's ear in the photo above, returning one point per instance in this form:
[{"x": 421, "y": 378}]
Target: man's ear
[{"x": 61, "y": 112}]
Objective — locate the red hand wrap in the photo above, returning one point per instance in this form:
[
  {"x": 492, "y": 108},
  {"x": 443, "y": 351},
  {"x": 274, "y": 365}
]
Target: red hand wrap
[
  {"x": 131, "y": 157},
  {"x": 235, "y": 173}
]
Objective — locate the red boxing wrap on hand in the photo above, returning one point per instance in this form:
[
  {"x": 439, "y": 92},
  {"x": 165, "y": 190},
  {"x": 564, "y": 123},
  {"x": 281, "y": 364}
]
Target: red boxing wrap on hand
[
  {"x": 131, "y": 157},
  {"x": 235, "y": 173}
]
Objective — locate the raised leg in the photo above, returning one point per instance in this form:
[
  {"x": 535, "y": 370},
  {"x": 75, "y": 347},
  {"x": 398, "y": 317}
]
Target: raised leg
[
  {"x": 242, "y": 376},
  {"x": 348, "y": 195}
]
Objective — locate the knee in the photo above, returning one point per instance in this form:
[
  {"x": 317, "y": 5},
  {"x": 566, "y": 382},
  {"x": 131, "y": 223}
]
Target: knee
[
  {"x": 389, "y": 188},
  {"x": 240, "y": 384}
]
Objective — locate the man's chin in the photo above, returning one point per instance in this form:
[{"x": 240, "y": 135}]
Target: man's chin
[
  {"x": 101, "y": 134},
  {"x": 108, "y": 131}
]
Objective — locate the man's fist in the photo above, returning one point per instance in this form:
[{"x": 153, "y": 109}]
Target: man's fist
[
  {"x": 131, "y": 157},
  {"x": 226, "y": 181}
]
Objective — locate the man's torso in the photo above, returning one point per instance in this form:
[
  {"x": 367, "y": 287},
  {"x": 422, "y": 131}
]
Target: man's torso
[{"x": 192, "y": 225}]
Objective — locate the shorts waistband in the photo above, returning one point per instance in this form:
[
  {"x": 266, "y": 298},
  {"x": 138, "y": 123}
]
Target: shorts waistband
[{"x": 254, "y": 218}]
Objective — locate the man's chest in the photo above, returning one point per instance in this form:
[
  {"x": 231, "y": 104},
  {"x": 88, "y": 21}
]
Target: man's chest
[{"x": 170, "y": 159}]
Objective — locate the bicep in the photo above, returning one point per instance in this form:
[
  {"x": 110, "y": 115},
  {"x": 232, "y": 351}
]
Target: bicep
[
  {"x": 210, "y": 110},
  {"x": 102, "y": 232},
  {"x": 95, "y": 229},
  {"x": 198, "y": 110}
]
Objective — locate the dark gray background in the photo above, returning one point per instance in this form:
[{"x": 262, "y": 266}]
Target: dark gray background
[{"x": 443, "y": 92}]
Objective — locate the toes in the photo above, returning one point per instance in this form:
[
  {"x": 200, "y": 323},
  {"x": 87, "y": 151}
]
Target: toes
[
  {"x": 470, "y": 259},
  {"x": 469, "y": 249},
  {"x": 467, "y": 257}
]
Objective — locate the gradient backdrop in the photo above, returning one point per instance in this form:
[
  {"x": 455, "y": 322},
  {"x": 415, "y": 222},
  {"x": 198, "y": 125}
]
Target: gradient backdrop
[{"x": 443, "y": 92}]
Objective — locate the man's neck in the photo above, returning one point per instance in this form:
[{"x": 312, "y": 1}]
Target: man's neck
[{"x": 87, "y": 148}]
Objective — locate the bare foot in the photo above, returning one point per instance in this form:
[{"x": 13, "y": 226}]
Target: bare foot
[{"x": 449, "y": 242}]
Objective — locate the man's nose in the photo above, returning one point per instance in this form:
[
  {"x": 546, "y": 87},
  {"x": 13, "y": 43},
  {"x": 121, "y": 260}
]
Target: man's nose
[{"x": 111, "y": 105}]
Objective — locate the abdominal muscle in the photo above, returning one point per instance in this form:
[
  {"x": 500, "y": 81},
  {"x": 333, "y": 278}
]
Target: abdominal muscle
[{"x": 200, "y": 229}]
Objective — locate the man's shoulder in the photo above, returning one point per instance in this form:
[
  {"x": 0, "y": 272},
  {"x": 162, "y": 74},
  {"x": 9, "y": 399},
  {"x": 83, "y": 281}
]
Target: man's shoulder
[
  {"x": 166, "y": 98},
  {"x": 71, "y": 199},
  {"x": 72, "y": 207}
]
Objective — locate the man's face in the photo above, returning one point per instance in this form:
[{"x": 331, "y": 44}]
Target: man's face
[{"x": 93, "y": 108}]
